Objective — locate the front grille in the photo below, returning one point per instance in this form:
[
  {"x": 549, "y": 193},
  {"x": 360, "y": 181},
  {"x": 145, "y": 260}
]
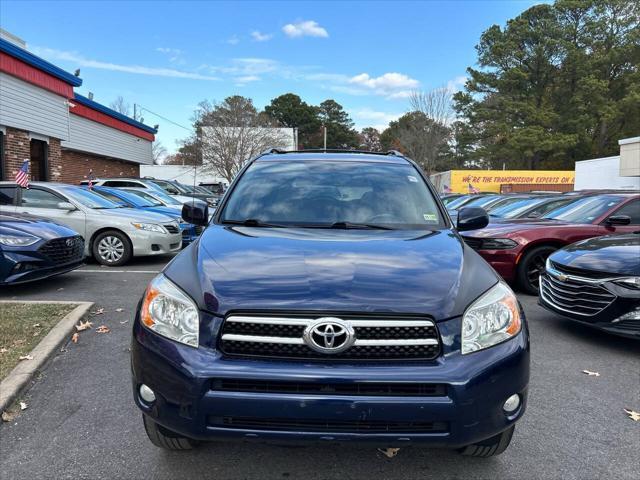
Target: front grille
[
  {"x": 374, "y": 337},
  {"x": 475, "y": 243},
  {"x": 574, "y": 295},
  {"x": 172, "y": 227},
  {"x": 63, "y": 250},
  {"x": 579, "y": 271},
  {"x": 320, "y": 425},
  {"x": 355, "y": 389}
]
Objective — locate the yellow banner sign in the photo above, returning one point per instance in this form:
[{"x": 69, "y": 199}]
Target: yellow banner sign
[{"x": 491, "y": 180}]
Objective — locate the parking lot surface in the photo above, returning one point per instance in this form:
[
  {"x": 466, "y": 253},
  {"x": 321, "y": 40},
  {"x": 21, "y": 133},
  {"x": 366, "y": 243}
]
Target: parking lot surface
[{"x": 81, "y": 421}]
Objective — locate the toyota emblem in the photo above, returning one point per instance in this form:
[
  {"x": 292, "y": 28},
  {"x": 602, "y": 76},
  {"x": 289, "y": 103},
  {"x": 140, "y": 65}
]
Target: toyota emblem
[{"x": 329, "y": 335}]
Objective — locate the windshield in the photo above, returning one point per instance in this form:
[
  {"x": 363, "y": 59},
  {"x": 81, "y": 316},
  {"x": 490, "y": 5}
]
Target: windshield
[
  {"x": 130, "y": 198},
  {"x": 585, "y": 210},
  {"x": 325, "y": 193},
  {"x": 481, "y": 201},
  {"x": 156, "y": 199},
  {"x": 513, "y": 209},
  {"x": 459, "y": 202},
  {"x": 88, "y": 199}
]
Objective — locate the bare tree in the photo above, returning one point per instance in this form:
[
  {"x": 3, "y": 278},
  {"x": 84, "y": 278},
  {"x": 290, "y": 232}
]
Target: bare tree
[
  {"x": 158, "y": 152},
  {"x": 120, "y": 105},
  {"x": 435, "y": 104},
  {"x": 369, "y": 139},
  {"x": 231, "y": 132}
]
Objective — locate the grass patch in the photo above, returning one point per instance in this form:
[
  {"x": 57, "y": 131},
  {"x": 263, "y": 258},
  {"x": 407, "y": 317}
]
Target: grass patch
[{"x": 22, "y": 326}]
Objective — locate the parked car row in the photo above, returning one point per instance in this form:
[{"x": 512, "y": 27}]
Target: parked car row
[
  {"x": 579, "y": 251},
  {"x": 111, "y": 225}
]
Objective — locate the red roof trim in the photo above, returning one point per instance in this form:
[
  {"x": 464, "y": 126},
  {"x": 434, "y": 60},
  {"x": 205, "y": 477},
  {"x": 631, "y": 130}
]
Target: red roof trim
[
  {"x": 32, "y": 75},
  {"x": 99, "y": 117}
]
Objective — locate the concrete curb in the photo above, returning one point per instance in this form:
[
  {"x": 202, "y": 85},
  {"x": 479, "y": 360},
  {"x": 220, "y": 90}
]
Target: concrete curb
[{"x": 20, "y": 376}]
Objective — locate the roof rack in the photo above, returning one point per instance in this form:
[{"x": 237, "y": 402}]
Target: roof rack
[{"x": 395, "y": 153}]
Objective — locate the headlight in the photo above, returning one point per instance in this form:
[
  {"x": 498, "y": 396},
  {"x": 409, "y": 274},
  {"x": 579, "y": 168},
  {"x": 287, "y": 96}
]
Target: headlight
[
  {"x": 498, "y": 244},
  {"x": 150, "y": 227},
  {"x": 169, "y": 312},
  {"x": 491, "y": 319},
  {"x": 632, "y": 283},
  {"x": 18, "y": 240}
]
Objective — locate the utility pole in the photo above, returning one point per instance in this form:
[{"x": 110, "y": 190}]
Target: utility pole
[
  {"x": 135, "y": 113},
  {"x": 325, "y": 136}
]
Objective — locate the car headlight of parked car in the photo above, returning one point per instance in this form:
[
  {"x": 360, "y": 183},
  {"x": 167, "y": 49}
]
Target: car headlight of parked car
[
  {"x": 498, "y": 243},
  {"x": 150, "y": 227},
  {"x": 18, "y": 240},
  {"x": 491, "y": 319},
  {"x": 169, "y": 312},
  {"x": 632, "y": 283}
]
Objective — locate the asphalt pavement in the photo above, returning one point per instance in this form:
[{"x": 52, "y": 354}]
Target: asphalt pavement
[{"x": 81, "y": 421}]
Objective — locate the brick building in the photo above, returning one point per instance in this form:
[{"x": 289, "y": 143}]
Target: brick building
[{"x": 62, "y": 133}]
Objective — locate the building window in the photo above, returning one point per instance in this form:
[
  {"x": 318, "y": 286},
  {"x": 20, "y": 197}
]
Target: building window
[{"x": 39, "y": 160}]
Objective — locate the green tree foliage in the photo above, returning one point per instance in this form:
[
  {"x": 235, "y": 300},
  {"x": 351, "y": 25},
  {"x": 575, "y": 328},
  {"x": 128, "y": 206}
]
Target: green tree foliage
[
  {"x": 559, "y": 83},
  {"x": 421, "y": 138},
  {"x": 290, "y": 111},
  {"x": 340, "y": 132}
]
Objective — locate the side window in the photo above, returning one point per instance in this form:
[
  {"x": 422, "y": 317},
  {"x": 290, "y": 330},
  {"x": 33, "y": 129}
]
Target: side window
[
  {"x": 631, "y": 210},
  {"x": 36, "y": 198},
  {"x": 120, "y": 184},
  {"x": 7, "y": 194}
]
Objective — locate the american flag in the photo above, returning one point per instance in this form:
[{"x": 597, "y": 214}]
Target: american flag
[
  {"x": 22, "y": 177},
  {"x": 91, "y": 178},
  {"x": 473, "y": 189},
  {"x": 446, "y": 189}
]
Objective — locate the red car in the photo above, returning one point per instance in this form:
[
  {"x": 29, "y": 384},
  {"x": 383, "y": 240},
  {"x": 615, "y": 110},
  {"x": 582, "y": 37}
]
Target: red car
[{"x": 518, "y": 250}]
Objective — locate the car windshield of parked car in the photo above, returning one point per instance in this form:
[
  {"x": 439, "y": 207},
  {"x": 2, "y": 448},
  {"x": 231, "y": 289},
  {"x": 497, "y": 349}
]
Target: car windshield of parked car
[
  {"x": 162, "y": 198},
  {"x": 459, "y": 202},
  {"x": 336, "y": 194},
  {"x": 585, "y": 210},
  {"x": 87, "y": 198},
  {"x": 448, "y": 200},
  {"x": 513, "y": 209},
  {"x": 128, "y": 198},
  {"x": 482, "y": 201}
]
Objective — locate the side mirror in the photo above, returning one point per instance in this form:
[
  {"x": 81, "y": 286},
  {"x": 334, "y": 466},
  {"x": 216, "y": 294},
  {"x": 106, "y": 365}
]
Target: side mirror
[
  {"x": 196, "y": 212},
  {"x": 66, "y": 206},
  {"x": 472, "y": 218},
  {"x": 618, "y": 220}
]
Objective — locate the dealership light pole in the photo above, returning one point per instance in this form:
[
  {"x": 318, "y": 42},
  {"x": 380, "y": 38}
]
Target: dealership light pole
[{"x": 324, "y": 128}]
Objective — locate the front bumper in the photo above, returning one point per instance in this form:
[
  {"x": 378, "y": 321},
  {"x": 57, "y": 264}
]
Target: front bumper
[
  {"x": 469, "y": 411},
  {"x": 28, "y": 266},
  {"x": 152, "y": 243},
  {"x": 609, "y": 319}
]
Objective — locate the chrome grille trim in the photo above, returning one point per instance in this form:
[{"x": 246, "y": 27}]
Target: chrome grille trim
[
  {"x": 575, "y": 295},
  {"x": 308, "y": 321},
  {"x": 232, "y": 337}
]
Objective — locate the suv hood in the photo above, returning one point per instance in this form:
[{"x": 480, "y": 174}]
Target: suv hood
[
  {"x": 242, "y": 268},
  {"x": 16, "y": 224},
  {"x": 615, "y": 254}
]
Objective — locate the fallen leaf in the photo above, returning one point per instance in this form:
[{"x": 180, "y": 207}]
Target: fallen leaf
[
  {"x": 100, "y": 311},
  {"x": 590, "y": 373},
  {"x": 389, "y": 452},
  {"x": 26, "y": 357},
  {"x": 23, "y": 406},
  {"x": 103, "y": 329},
  {"x": 633, "y": 415},
  {"x": 119, "y": 310},
  {"x": 83, "y": 325},
  {"x": 8, "y": 416},
  {"x": 122, "y": 323},
  {"x": 75, "y": 337},
  {"x": 36, "y": 325}
]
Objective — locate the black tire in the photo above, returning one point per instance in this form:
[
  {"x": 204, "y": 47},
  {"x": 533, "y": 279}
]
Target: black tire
[
  {"x": 531, "y": 266},
  {"x": 490, "y": 447},
  {"x": 111, "y": 248},
  {"x": 163, "y": 438}
]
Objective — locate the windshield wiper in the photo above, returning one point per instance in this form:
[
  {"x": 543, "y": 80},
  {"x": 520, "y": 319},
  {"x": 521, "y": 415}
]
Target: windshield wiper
[
  {"x": 252, "y": 222},
  {"x": 354, "y": 226}
]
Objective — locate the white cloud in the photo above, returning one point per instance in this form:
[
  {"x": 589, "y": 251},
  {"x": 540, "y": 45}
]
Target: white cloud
[
  {"x": 391, "y": 85},
  {"x": 247, "y": 79},
  {"x": 261, "y": 37},
  {"x": 174, "y": 54},
  {"x": 233, "y": 40},
  {"x": 366, "y": 117},
  {"x": 305, "y": 28},
  {"x": 457, "y": 84},
  {"x": 81, "y": 61}
]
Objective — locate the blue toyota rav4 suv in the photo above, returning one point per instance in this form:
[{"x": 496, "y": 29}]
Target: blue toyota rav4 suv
[{"x": 331, "y": 299}]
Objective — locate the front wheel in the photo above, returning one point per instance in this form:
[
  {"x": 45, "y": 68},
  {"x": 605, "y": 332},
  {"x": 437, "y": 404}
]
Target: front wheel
[
  {"x": 531, "y": 266},
  {"x": 112, "y": 248},
  {"x": 490, "y": 447},
  {"x": 163, "y": 438}
]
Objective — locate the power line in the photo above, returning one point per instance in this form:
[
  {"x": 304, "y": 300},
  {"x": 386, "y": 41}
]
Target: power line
[{"x": 164, "y": 118}]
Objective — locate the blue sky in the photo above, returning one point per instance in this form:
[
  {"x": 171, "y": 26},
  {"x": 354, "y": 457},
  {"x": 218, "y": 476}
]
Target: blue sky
[{"x": 167, "y": 56}]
